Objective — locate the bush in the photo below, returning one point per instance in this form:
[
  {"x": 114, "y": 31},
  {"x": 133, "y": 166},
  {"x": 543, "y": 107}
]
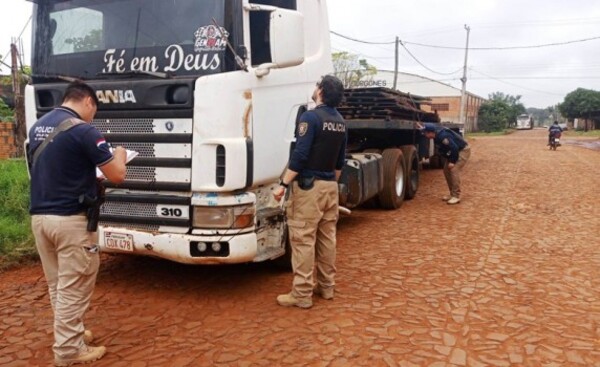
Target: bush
[
  {"x": 494, "y": 116},
  {"x": 16, "y": 238},
  {"x": 6, "y": 113}
]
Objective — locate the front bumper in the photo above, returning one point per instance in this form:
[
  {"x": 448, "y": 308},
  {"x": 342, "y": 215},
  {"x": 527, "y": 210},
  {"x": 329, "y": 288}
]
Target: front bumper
[{"x": 242, "y": 248}]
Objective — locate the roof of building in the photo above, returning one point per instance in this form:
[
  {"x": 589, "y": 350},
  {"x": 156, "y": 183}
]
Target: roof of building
[{"x": 423, "y": 86}]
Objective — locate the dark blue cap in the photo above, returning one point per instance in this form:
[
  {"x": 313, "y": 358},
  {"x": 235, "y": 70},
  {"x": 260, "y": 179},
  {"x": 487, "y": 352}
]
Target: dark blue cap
[{"x": 428, "y": 127}]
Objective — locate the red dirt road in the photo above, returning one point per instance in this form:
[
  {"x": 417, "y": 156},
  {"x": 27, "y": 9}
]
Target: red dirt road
[{"x": 509, "y": 277}]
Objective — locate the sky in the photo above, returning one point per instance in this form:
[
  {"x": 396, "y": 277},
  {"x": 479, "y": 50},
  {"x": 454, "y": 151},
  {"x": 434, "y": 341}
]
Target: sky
[{"x": 542, "y": 76}]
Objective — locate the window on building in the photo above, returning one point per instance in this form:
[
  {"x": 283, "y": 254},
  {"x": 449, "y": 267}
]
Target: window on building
[{"x": 440, "y": 107}]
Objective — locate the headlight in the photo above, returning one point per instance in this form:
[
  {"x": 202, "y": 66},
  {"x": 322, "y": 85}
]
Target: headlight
[{"x": 232, "y": 217}]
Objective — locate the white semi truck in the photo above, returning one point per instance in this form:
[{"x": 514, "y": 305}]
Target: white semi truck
[
  {"x": 209, "y": 93},
  {"x": 524, "y": 122}
]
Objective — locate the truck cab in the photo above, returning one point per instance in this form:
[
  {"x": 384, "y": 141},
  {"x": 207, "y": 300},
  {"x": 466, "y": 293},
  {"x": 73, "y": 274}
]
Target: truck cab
[
  {"x": 524, "y": 122},
  {"x": 208, "y": 92}
]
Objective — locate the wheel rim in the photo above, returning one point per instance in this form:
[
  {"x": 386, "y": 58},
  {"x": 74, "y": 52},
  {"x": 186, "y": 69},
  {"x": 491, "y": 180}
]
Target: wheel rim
[{"x": 399, "y": 180}]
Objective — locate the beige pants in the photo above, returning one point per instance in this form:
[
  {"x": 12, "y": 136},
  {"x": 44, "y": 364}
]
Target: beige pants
[
  {"x": 312, "y": 218},
  {"x": 453, "y": 175},
  {"x": 70, "y": 269}
]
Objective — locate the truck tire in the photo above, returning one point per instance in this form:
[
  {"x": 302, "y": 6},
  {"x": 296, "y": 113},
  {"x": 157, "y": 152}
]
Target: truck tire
[
  {"x": 443, "y": 161},
  {"x": 392, "y": 195},
  {"x": 435, "y": 162},
  {"x": 413, "y": 170}
]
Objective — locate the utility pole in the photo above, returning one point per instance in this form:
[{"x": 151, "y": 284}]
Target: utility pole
[
  {"x": 19, "y": 129},
  {"x": 397, "y": 59},
  {"x": 463, "y": 96}
]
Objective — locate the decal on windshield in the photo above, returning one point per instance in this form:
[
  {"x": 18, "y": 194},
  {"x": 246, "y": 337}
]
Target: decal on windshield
[
  {"x": 209, "y": 42},
  {"x": 210, "y": 38}
]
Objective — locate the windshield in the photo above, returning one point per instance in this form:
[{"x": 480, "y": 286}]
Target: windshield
[{"x": 84, "y": 38}]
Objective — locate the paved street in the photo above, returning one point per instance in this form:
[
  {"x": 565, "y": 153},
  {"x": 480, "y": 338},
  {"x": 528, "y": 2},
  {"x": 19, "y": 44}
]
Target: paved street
[{"x": 509, "y": 277}]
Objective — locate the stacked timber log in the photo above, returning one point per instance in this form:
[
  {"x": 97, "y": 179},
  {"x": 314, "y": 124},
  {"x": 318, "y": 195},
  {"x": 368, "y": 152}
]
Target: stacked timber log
[{"x": 384, "y": 104}]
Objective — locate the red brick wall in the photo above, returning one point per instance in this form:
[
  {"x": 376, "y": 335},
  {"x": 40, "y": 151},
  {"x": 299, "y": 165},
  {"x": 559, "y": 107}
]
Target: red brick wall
[
  {"x": 452, "y": 114},
  {"x": 453, "y": 111},
  {"x": 7, "y": 140}
]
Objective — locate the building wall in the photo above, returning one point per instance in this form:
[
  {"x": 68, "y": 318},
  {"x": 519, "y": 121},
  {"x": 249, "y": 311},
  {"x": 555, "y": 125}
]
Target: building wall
[
  {"x": 448, "y": 108},
  {"x": 7, "y": 140}
]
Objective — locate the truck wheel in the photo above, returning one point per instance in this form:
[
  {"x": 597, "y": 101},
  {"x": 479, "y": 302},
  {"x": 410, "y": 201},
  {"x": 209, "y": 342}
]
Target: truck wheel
[
  {"x": 434, "y": 162},
  {"x": 392, "y": 195},
  {"x": 413, "y": 170}
]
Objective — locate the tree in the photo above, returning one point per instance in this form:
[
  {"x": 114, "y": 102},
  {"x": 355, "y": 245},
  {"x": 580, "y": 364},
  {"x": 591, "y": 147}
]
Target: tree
[
  {"x": 351, "y": 70},
  {"x": 580, "y": 103},
  {"x": 6, "y": 113},
  {"x": 24, "y": 74},
  {"x": 7, "y": 102},
  {"x": 514, "y": 102},
  {"x": 495, "y": 115},
  {"x": 500, "y": 111}
]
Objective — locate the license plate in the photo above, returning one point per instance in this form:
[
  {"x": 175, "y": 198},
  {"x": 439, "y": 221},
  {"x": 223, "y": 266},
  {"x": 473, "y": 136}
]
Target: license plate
[{"x": 118, "y": 241}]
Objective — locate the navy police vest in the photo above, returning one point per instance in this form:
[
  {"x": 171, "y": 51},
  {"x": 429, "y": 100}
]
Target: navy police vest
[{"x": 329, "y": 138}]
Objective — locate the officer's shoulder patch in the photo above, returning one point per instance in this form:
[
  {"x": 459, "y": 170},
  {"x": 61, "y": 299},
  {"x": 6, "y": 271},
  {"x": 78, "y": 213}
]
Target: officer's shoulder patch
[
  {"x": 446, "y": 141},
  {"x": 302, "y": 128}
]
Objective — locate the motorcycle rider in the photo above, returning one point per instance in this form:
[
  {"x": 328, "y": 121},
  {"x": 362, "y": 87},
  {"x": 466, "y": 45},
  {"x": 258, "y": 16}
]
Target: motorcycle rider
[{"x": 554, "y": 131}]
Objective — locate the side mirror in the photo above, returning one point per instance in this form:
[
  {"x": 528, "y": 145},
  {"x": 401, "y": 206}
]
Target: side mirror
[{"x": 286, "y": 31}]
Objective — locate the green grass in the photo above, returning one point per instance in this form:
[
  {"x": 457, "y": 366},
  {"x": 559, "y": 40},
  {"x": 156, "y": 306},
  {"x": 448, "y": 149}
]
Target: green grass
[
  {"x": 16, "y": 239},
  {"x": 590, "y": 133}
]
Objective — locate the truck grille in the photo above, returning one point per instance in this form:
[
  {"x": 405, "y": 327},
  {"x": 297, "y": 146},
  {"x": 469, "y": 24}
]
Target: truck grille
[
  {"x": 144, "y": 149},
  {"x": 129, "y": 209},
  {"x": 135, "y": 226},
  {"x": 163, "y": 163},
  {"x": 125, "y": 126},
  {"x": 141, "y": 173}
]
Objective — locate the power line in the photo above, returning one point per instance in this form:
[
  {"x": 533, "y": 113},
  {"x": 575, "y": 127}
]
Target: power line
[
  {"x": 471, "y": 48},
  {"x": 20, "y": 34},
  {"x": 423, "y": 65},
  {"x": 362, "y": 54},
  {"x": 508, "y": 47},
  {"x": 361, "y": 41},
  {"x": 517, "y": 85}
]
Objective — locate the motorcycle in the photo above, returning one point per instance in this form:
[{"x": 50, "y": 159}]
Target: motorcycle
[{"x": 554, "y": 141}]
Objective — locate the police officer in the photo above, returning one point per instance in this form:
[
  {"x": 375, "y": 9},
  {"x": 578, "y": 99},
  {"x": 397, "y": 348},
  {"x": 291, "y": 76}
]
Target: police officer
[
  {"x": 64, "y": 152},
  {"x": 455, "y": 149},
  {"x": 312, "y": 208}
]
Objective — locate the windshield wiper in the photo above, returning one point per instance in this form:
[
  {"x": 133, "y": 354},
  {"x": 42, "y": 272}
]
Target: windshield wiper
[{"x": 155, "y": 74}]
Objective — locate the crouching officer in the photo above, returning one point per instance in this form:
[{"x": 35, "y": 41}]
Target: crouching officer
[
  {"x": 455, "y": 149},
  {"x": 312, "y": 207}
]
